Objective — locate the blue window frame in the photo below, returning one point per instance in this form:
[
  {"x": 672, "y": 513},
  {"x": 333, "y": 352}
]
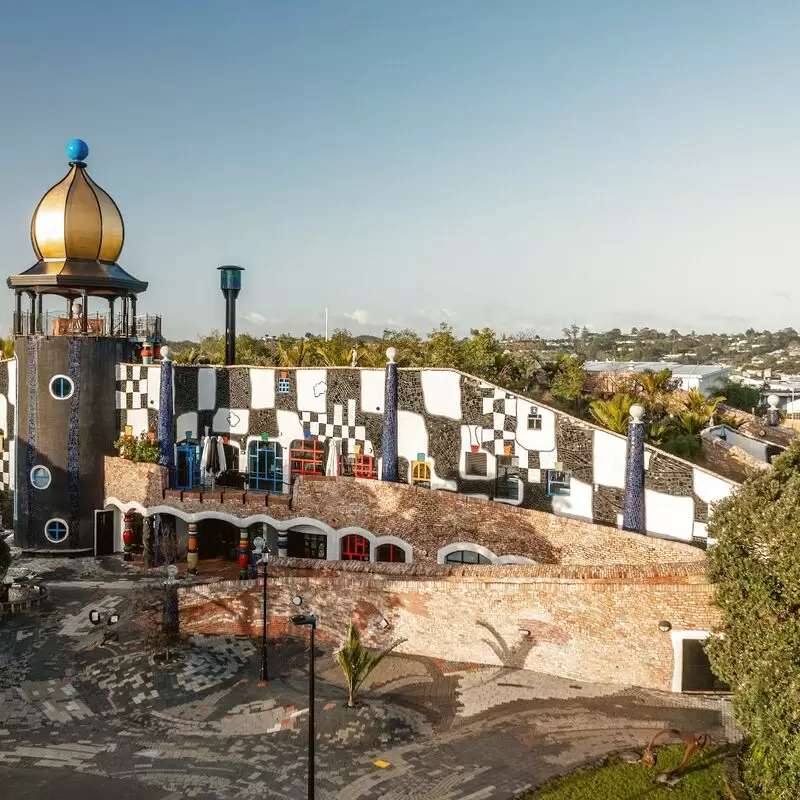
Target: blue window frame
[
  {"x": 558, "y": 482},
  {"x": 187, "y": 465},
  {"x": 61, "y": 387},
  {"x": 283, "y": 385},
  {"x": 265, "y": 466},
  {"x": 56, "y": 530}
]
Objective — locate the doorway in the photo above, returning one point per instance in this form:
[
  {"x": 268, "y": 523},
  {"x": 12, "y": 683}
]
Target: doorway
[
  {"x": 103, "y": 533},
  {"x": 693, "y": 671}
]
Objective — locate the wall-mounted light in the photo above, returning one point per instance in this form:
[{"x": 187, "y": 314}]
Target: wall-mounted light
[
  {"x": 524, "y": 632},
  {"x": 664, "y": 626},
  {"x": 297, "y": 600}
]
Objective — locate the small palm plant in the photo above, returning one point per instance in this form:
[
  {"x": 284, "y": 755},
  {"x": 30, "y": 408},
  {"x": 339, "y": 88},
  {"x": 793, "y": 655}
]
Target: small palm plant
[{"x": 356, "y": 662}]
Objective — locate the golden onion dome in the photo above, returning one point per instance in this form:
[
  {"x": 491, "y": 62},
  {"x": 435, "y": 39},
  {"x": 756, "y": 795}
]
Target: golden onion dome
[{"x": 76, "y": 219}]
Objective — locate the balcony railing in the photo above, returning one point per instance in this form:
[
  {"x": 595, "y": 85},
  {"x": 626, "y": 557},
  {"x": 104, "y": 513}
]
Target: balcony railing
[{"x": 50, "y": 323}]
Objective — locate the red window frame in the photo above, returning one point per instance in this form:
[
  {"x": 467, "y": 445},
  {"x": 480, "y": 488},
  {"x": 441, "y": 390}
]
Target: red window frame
[
  {"x": 354, "y": 547},
  {"x": 364, "y": 466},
  {"x": 307, "y": 456},
  {"x": 396, "y": 554}
]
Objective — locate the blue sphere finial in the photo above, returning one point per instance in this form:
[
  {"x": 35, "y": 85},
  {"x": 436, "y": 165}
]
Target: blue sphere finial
[{"x": 77, "y": 150}]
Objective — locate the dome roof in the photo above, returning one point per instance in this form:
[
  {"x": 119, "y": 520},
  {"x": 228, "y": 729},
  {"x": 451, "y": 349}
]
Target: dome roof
[
  {"x": 77, "y": 234},
  {"x": 77, "y": 219}
]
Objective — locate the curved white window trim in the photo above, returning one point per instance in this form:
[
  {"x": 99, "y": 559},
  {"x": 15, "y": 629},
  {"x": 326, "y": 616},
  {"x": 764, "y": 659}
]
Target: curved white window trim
[
  {"x": 456, "y": 546},
  {"x": 514, "y": 560},
  {"x": 60, "y": 522},
  {"x": 70, "y": 383},
  {"x": 41, "y": 469},
  {"x": 404, "y": 546}
]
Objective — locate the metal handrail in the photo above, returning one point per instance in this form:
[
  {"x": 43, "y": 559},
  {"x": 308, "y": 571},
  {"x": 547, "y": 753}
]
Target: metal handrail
[{"x": 52, "y": 323}]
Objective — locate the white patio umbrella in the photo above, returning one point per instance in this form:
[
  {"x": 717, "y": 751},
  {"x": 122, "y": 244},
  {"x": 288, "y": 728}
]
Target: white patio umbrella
[{"x": 332, "y": 463}]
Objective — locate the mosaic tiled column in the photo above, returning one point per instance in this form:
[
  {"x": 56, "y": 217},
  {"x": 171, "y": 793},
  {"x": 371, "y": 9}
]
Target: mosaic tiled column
[
  {"x": 633, "y": 516},
  {"x": 147, "y": 541},
  {"x": 773, "y": 415},
  {"x": 127, "y": 536},
  {"x": 389, "y": 438},
  {"x": 166, "y": 427},
  {"x": 192, "y": 554},
  {"x": 244, "y": 553},
  {"x": 283, "y": 544},
  {"x": 171, "y": 617}
]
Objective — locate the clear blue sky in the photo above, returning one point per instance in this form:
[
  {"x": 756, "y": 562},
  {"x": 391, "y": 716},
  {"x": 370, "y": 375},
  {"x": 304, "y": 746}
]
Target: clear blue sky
[{"x": 518, "y": 164}]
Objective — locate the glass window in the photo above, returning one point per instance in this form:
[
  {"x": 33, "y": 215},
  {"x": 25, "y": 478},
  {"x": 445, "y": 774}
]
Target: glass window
[
  {"x": 265, "y": 466},
  {"x": 558, "y": 482},
  {"x": 466, "y": 557},
  {"x": 534, "y": 422},
  {"x": 61, "y": 387},
  {"x": 391, "y": 553},
  {"x": 354, "y": 548},
  {"x": 56, "y": 530},
  {"x": 41, "y": 477},
  {"x": 421, "y": 474},
  {"x": 283, "y": 385},
  {"x": 476, "y": 464}
]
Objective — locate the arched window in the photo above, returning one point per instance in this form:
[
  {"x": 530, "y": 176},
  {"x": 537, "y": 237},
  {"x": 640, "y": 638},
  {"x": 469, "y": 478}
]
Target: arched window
[
  {"x": 465, "y": 557},
  {"x": 265, "y": 466},
  {"x": 390, "y": 552},
  {"x": 421, "y": 474},
  {"x": 354, "y": 547}
]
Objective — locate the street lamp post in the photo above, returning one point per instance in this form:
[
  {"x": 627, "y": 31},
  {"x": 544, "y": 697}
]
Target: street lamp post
[
  {"x": 311, "y": 621},
  {"x": 259, "y": 544}
]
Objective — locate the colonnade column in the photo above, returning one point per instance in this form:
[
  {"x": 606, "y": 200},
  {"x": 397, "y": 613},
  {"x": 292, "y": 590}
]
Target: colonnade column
[
  {"x": 192, "y": 554},
  {"x": 244, "y": 553},
  {"x": 633, "y": 508},
  {"x": 127, "y": 536},
  {"x": 389, "y": 436}
]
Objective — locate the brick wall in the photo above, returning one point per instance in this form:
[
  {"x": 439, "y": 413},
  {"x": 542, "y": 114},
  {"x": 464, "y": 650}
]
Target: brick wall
[
  {"x": 584, "y": 623},
  {"x": 426, "y": 519}
]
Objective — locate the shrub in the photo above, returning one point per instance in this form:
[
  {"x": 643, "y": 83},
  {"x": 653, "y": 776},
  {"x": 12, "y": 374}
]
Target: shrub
[
  {"x": 756, "y": 566},
  {"x": 138, "y": 448}
]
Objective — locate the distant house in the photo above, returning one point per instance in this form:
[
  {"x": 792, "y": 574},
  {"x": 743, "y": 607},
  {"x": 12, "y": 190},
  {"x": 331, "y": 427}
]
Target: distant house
[{"x": 704, "y": 377}]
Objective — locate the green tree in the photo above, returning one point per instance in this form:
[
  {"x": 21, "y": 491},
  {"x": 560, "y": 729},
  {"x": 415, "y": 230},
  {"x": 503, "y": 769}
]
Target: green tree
[
  {"x": 356, "y": 662},
  {"x": 756, "y": 568},
  {"x": 443, "y": 349},
  {"x": 613, "y": 414},
  {"x": 745, "y": 398},
  {"x": 569, "y": 381}
]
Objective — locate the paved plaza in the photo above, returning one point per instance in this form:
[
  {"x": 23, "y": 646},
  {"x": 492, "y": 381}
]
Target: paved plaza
[{"x": 83, "y": 717}]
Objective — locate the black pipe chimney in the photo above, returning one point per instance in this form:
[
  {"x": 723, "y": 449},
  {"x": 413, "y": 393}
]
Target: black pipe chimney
[{"x": 230, "y": 281}]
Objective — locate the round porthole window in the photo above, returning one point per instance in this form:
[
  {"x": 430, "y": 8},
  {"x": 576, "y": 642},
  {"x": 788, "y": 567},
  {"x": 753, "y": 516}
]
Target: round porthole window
[
  {"x": 61, "y": 387},
  {"x": 41, "y": 477},
  {"x": 56, "y": 530}
]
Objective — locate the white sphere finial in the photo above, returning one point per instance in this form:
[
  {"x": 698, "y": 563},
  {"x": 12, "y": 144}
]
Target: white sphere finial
[
  {"x": 391, "y": 354},
  {"x": 772, "y": 401},
  {"x": 166, "y": 353},
  {"x": 637, "y": 412}
]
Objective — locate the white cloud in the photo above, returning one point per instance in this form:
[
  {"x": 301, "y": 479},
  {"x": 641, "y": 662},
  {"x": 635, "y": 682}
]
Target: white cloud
[
  {"x": 254, "y": 317},
  {"x": 359, "y": 315}
]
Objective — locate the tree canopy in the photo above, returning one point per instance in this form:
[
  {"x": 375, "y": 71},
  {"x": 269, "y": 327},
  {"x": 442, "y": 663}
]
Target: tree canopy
[{"x": 756, "y": 567}]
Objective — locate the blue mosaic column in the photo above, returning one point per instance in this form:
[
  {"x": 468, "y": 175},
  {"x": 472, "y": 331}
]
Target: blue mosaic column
[
  {"x": 773, "y": 415},
  {"x": 389, "y": 438},
  {"x": 166, "y": 426},
  {"x": 633, "y": 518}
]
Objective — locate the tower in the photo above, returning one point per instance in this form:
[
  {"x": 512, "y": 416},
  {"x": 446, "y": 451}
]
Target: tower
[{"x": 66, "y": 419}]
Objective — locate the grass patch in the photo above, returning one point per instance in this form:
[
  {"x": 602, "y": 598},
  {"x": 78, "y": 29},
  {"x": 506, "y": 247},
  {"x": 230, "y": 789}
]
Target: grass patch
[{"x": 615, "y": 780}]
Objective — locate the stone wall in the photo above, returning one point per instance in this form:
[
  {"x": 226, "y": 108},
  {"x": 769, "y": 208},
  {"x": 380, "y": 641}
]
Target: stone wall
[
  {"x": 424, "y": 518},
  {"x": 583, "y": 623}
]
